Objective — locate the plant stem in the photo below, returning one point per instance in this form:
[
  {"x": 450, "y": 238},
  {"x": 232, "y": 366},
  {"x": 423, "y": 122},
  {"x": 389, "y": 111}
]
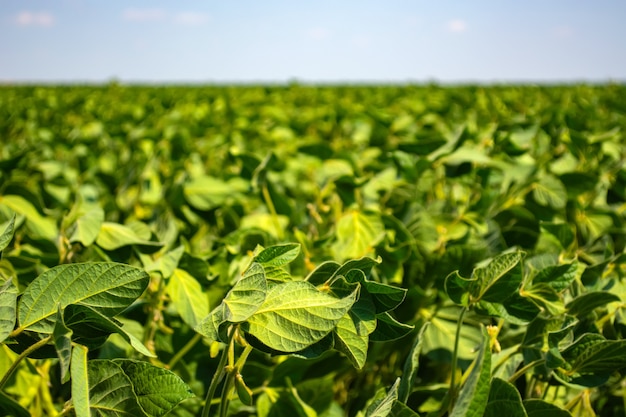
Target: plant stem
[
  {"x": 226, "y": 393},
  {"x": 270, "y": 206},
  {"x": 455, "y": 354},
  {"x": 183, "y": 351},
  {"x": 218, "y": 375},
  {"x": 22, "y": 355},
  {"x": 525, "y": 368}
]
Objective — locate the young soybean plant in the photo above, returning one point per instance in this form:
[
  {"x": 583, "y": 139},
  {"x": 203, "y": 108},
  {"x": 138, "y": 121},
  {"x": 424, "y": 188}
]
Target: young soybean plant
[{"x": 334, "y": 307}]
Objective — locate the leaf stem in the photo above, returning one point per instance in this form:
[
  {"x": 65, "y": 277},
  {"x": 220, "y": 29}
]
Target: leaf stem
[
  {"x": 183, "y": 351},
  {"x": 270, "y": 206},
  {"x": 23, "y": 355},
  {"x": 525, "y": 368},
  {"x": 455, "y": 355},
  {"x": 218, "y": 375}
]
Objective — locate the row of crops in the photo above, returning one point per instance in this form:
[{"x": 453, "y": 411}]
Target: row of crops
[{"x": 313, "y": 251}]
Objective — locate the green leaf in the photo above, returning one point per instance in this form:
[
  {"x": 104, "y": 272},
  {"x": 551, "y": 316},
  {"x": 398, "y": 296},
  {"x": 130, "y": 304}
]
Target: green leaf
[
  {"x": 323, "y": 272},
  {"x": 80, "y": 380},
  {"x": 278, "y": 255},
  {"x": 167, "y": 263},
  {"x": 559, "y": 277},
  {"x": 8, "y": 302},
  {"x": 562, "y": 231},
  {"x": 87, "y": 322},
  {"x": 504, "y": 400},
  {"x": 388, "y": 328},
  {"x": 114, "y": 236},
  {"x": 246, "y": 296},
  {"x": 474, "y": 394},
  {"x": 350, "y": 342},
  {"x": 364, "y": 265},
  {"x": 411, "y": 366},
  {"x": 296, "y": 315},
  {"x": 62, "y": 338},
  {"x": 459, "y": 288},
  {"x": 12, "y": 407},
  {"x": 402, "y": 410},
  {"x": 591, "y": 353},
  {"x": 83, "y": 223},
  {"x": 38, "y": 225},
  {"x": 357, "y": 233},
  {"x": 500, "y": 278},
  {"x": 209, "y": 327},
  {"x": 7, "y": 235},
  {"x": 586, "y": 303},
  {"x": 382, "y": 407},
  {"x": 105, "y": 286},
  {"x": 541, "y": 408},
  {"x": 545, "y": 297},
  {"x": 549, "y": 191},
  {"x": 157, "y": 390},
  {"x": 206, "y": 193},
  {"x": 111, "y": 391},
  {"x": 187, "y": 296}
]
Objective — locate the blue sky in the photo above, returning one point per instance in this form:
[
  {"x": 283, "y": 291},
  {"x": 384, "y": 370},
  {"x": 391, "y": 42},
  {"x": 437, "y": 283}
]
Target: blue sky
[{"x": 312, "y": 41}]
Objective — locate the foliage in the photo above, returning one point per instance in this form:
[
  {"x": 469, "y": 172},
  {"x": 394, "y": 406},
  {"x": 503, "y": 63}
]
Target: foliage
[{"x": 312, "y": 251}]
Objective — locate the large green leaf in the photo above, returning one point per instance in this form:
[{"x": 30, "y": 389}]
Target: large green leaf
[
  {"x": 111, "y": 391},
  {"x": 7, "y": 234},
  {"x": 411, "y": 366},
  {"x": 187, "y": 296},
  {"x": 157, "y": 390},
  {"x": 541, "y": 408},
  {"x": 296, "y": 315},
  {"x": 357, "y": 234},
  {"x": 8, "y": 302},
  {"x": 80, "y": 380},
  {"x": 474, "y": 393},
  {"x": 586, "y": 303},
  {"x": 278, "y": 255},
  {"x": 114, "y": 236},
  {"x": 205, "y": 193},
  {"x": 550, "y": 191},
  {"x": 83, "y": 223},
  {"x": 107, "y": 287},
  {"x": 88, "y": 323},
  {"x": 350, "y": 342},
  {"x": 39, "y": 226},
  {"x": 504, "y": 400},
  {"x": 592, "y": 354},
  {"x": 247, "y": 295},
  {"x": 500, "y": 278},
  {"x": 559, "y": 277}
]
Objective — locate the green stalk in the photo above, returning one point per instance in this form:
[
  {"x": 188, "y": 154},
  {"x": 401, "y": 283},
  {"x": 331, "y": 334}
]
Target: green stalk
[
  {"x": 22, "y": 355},
  {"x": 524, "y": 369},
  {"x": 218, "y": 375},
  {"x": 455, "y": 355},
  {"x": 183, "y": 351},
  {"x": 270, "y": 205}
]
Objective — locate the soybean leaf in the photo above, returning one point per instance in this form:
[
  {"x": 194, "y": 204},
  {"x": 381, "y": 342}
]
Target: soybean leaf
[
  {"x": 187, "y": 296},
  {"x": 388, "y": 328},
  {"x": 157, "y": 390},
  {"x": 107, "y": 287},
  {"x": 350, "y": 342},
  {"x": 586, "y": 303},
  {"x": 12, "y": 407},
  {"x": 80, "y": 380},
  {"x": 209, "y": 327},
  {"x": 206, "y": 193},
  {"x": 247, "y": 295},
  {"x": 592, "y": 354},
  {"x": 545, "y": 297},
  {"x": 402, "y": 410},
  {"x": 296, "y": 315},
  {"x": 504, "y": 400},
  {"x": 357, "y": 233},
  {"x": 83, "y": 223},
  {"x": 62, "y": 338},
  {"x": 278, "y": 255},
  {"x": 114, "y": 236},
  {"x": 550, "y": 191},
  {"x": 382, "y": 407},
  {"x": 500, "y": 278},
  {"x": 8, "y": 302},
  {"x": 559, "y": 277},
  {"x": 38, "y": 225},
  {"x": 541, "y": 408},
  {"x": 89, "y": 323},
  {"x": 323, "y": 272},
  {"x": 411, "y": 366},
  {"x": 474, "y": 394},
  {"x": 167, "y": 263},
  {"x": 459, "y": 288},
  {"x": 562, "y": 231},
  {"x": 7, "y": 234},
  {"x": 363, "y": 265},
  {"x": 111, "y": 391}
]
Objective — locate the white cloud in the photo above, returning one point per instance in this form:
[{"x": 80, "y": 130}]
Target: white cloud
[
  {"x": 27, "y": 18},
  {"x": 143, "y": 15},
  {"x": 456, "y": 26},
  {"x": 318, "y": 33},
  {"x": 191, "y": 18}
]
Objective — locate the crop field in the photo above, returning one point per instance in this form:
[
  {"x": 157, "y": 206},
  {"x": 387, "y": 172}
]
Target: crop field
[{"x": 312, "y": 251}]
